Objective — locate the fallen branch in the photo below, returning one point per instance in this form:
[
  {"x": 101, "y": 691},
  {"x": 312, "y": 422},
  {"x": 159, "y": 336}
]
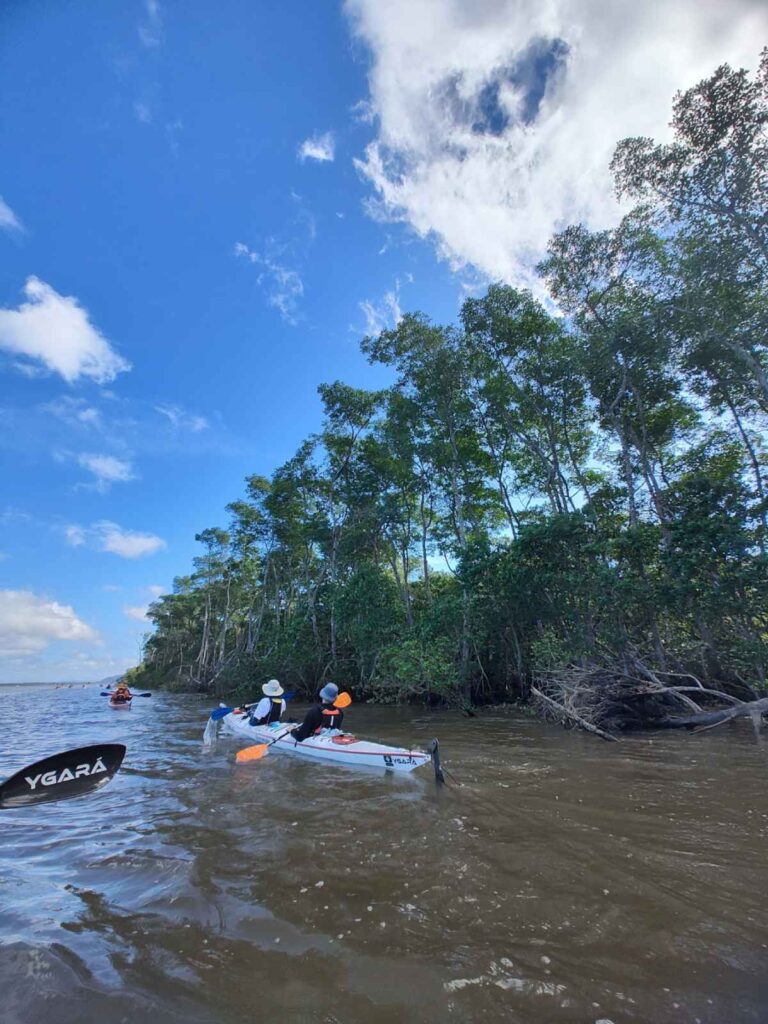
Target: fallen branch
[
  {"x": 560, "y": 710},
  {"x": 720, "y": 694},
  {"x": 709, "y": 719}
]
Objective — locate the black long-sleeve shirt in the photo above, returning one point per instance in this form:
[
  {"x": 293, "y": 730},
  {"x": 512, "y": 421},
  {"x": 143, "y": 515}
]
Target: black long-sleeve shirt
[{"x": 321, "y": 716}]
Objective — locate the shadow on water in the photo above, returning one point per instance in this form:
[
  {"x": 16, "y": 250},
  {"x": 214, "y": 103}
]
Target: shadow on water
[{"x": 564, "y": 880}]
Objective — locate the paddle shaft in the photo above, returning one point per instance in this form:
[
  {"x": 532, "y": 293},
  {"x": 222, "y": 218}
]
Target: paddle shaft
[
  {"x": 342, "y": 701},
  {"x": 111, "y": 693},
  {"x": 285, "y": 732}
]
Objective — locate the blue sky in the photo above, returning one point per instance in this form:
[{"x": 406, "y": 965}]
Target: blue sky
[{"x": 206, "y": 206}]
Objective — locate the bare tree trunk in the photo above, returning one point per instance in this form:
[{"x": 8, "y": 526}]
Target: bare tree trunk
[{"x": 753, "y": 460}]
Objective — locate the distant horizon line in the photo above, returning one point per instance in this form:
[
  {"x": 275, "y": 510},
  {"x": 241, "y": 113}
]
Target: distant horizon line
[{"x": 60, "y": 682}]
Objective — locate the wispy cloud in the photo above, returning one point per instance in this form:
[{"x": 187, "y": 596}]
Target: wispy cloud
[
  {"x": 386, "y": 312},
  {"x": 13, "y": 515},
  {"x": 495, "y": 122},
  {"x": 143, "y": 112},
  {"x": 107, "y": 469},
  {"x": 76, "y": 535},
  {"x": 280, "y": 260},
  {"x": 8, "y": 219},
  {"x": 75, "y": 412},
  {"x": 173, "y": 130},
  {"x": 29, "y": 623},
  {"x": 319, "y": 147},
  {"x": 181, "y": 419},
  {"x": 109, "y": 537},
  {"x": 136, "y": 612},
  {"x": 155, "y": 590},
  {"x": 55, "y": 331},
  {"x": 56, "y": 665},
  {"x": 151, "y": 27},
  {"x": 124, "y": 427},
  {"x": 281, "y": 284}
]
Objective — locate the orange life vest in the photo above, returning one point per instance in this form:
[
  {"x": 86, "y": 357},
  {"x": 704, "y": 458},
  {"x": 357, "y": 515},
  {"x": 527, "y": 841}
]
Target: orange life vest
[{"x": 331, "y": 713}]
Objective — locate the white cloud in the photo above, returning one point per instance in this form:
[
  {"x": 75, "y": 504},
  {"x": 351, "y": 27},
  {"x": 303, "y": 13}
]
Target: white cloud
[
  {"x": 73, "y": 411},
  {"x": 156, "y": 590},
  {"x": 181, "y": 419},
  {"x": 127, "y": 543},
  {"x": 55, "y": 330},
  {"x": 384, "y": 314},
  {"x": 75, "y": 535},
  {"x": 107, "y": 469},
  {"x": 319, "y": 147},
  {"x": 496, "y": 120},
  {"x": 282, "y": 285},
  {"x": 151, "y": 29},
  {"x": 8, "y": 219},
  {"x": 29, "y": 623},
  {"x": 111, "y": 538},
  {"x": 111, "y": 588},
  {"x": 135, "y": 612}
]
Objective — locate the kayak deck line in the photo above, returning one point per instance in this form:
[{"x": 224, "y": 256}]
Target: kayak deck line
[{"x": 409, "y": 753}]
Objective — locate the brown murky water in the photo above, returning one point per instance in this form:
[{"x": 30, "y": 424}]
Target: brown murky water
[{"x": 566, "y": 880}]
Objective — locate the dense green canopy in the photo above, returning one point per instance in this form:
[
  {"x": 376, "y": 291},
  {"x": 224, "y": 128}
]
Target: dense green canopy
[{"x": 576, "y": 480}]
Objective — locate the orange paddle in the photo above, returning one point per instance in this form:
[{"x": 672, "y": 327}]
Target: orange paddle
[
  {"x": 251, "y": 753},
  {"x": 260, "y": 749}
]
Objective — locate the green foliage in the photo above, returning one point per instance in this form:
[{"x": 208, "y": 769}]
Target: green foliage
[
  {"x": 417, "y": 668},
  {"x": 532, "y": 491}
]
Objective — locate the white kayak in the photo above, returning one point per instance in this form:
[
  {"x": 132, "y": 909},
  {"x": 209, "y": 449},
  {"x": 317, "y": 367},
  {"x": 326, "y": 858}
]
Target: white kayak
[{"x": 331, "y": 746}]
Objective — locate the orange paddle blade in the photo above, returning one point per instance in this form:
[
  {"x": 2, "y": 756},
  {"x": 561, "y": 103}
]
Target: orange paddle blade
[
  {"x": 342, "y": 701},
  {"x": 251, "y": 753}
]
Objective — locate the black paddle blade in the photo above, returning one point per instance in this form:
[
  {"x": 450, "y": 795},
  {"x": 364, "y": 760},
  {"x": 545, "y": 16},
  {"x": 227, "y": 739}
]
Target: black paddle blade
[{"x": 61, "y": 776}]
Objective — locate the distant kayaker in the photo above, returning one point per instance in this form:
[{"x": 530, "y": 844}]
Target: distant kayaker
[
  {"x": 324, "y": 715},
  {"x": 122, "y": 694},
  {"x": 271, "y": 707}
]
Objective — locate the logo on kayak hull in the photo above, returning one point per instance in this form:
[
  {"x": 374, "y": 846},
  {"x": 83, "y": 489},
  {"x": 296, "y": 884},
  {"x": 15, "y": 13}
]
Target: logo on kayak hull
[
  {"x": 390, "y": 760},
  {"x": 65, "y": 775}
]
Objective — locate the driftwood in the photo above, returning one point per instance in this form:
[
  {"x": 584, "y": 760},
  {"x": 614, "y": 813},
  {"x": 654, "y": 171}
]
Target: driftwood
[
  {"x": 602, "y": 701},
  {"x": 708, "y": 719}
]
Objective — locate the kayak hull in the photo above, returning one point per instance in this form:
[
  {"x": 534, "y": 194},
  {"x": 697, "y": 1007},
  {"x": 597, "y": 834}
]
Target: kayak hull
[
  {"x": 122, "y": 706},
  {"x": 360, "y": 753}
]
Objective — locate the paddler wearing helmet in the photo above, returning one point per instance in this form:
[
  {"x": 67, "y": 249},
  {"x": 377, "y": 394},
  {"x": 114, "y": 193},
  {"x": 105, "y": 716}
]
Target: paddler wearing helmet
[
  {"x": 323, "y": 716},
  {"x": 271, "y": 707}
]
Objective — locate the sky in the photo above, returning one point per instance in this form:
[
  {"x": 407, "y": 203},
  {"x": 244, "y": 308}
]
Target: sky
[{"x": 205, "y": 207}]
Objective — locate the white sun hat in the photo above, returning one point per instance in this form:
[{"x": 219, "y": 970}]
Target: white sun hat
[{"x": 272, "y": 689}]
